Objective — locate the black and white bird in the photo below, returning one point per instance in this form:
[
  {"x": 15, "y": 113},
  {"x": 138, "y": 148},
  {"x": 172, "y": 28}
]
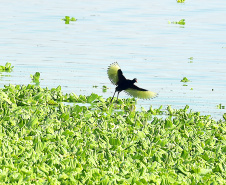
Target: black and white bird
[{"x": 117, "y": 78}]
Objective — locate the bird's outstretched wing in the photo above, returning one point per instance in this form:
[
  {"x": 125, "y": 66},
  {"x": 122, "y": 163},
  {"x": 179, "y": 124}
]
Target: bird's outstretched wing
[
  {"x": 121, "y": 77},
  {"x": 138, "y": 92},
  {"x": 115, "y": 73}
]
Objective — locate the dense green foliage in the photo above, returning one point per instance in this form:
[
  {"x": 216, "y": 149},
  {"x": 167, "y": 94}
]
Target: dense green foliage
[{"x": 45, "y": 141}]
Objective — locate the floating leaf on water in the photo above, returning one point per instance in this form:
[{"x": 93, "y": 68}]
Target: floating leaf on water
[
  {"x": 191, "y": 60},
  {"x": 181, "y": 22},
  {"x": 67, "y": 19},
  {"x": 6, "y": 68},
  {"x": 220, "y": 106},
  {"x": 185, "y": 80},
  {"x": 73, "y": 19},
  {"x": 104, "y": 88},
  {"x": 180, "y": 1},
  {"x": 35, "y": 77}
]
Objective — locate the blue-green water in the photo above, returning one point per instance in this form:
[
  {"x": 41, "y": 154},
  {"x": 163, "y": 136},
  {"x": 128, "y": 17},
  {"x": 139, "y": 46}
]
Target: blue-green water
[{"x": 135, "y": 34}]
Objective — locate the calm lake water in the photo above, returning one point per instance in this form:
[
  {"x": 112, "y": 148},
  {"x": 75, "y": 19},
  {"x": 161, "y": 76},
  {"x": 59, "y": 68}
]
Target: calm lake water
[{"x": 136, "y": 35}]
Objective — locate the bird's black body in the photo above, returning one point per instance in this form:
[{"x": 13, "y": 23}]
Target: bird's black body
[
  {"x": 124, "y": 83},
  {"x": 117, "y": 78}
]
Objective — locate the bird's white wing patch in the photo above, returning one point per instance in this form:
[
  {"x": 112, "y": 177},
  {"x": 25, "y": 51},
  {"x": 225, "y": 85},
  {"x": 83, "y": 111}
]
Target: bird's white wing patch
[
  {"x": 141, "y": 94},
  {"x": 113, "y": 73}
]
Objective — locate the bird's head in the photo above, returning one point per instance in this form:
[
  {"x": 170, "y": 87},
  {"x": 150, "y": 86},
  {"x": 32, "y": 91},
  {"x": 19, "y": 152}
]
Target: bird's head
[{"x": 134, "y": 80}]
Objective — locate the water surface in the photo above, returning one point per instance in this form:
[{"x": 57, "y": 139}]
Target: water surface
[{"x": 136, "y": 35}]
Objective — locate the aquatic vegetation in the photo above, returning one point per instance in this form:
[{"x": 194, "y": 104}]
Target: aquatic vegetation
[
  {"x": 180, "y": 1},
  {"x": 35, "y": 77},
  {"x": 44, "y": 141},
  {"x": 104, "y": 88},
  {"x": 6, "y": 68},
  {"x": 191, "y": 59},
  {"x": 181, "y": 22},
  {"x": 220, "y": 106},
  {"x": 224, "y": 116},
  {"x": 185, "y": 80},
  {"x": 67, "y": 19}
]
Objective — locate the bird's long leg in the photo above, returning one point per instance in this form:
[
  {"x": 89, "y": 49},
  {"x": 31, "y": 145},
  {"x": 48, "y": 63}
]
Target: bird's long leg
[
  {"x": 118, "y": 94},
  {"x": 113, "y": 95}
]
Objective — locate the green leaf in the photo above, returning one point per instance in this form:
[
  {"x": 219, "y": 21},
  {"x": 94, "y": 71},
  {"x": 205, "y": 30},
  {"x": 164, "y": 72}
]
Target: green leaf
[
  {"x": 52, "y": 102},
  {"x": 185, "y": 80},
  {"x": 35, "y": 77},
  {"x": 115, "y": 141},
  {"x": 33, "y": 122},
  {"x": 92, "y": 97},
  {"x": 6, "y": 68}
]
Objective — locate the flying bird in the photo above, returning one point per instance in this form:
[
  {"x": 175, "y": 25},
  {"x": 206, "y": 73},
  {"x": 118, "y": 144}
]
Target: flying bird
[{"x": 122, "y": 84}]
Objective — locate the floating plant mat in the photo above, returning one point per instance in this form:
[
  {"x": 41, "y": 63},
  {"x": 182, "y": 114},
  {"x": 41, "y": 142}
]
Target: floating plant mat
[{"x": 43, "y": 141}]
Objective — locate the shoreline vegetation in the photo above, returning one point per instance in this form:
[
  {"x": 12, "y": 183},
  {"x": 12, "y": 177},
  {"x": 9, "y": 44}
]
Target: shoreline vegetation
[{"x": 92, "y": 141}]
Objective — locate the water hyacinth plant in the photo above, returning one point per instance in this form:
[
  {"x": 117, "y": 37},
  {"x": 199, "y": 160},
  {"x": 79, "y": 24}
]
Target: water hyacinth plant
[
  {"x": 44, "y": 141},
  {"x": 67, "y": 19},
  {"x": 180, "y": 1},
  {"x": 185, "y": 80},
  {"x": 191, "y": 59},
  {"x": 6, "y": 68},
  {"x": 181, "y": 22},
  {"x": 35, "y": 77}
]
